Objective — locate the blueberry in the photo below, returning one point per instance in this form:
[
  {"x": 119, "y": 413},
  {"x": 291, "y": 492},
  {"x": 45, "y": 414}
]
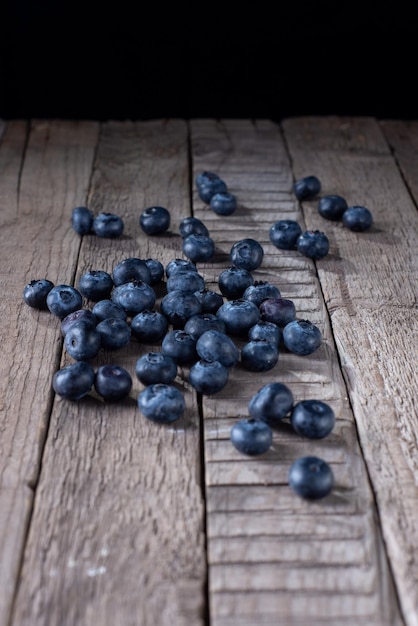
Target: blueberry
[
  {"x": 313, "y": 244},
  {"x": 247, "y": 254},
  {"x": 185, "y": 280},
  {"x": 284, "y": 233},
  {"x": 108, "y": 225},
  {"x": 357, "y": 218},
  {"x": 63, "y": 299},
  {"x": 131, "y": 269},
  {"x": 180, "y": 346},
  {"x": 82, "y": 220},
  {"x": 233, "y": 281},
  {"x": 223, "y": 203},
  {"x": 259, "y": 355},
  {"x": 156, "y": 269},
  {"x": 35, "y": 293},
  {"x": 251, "y": 436},
  {"x": 155, "y": 220},
  {"x": 149, "y": 326},
  {"x": 208, "y": 377},
  {"x": 107, "y": 308},
  {"x": 260, "y": 291},
  {"x": 96, "y": 285},
  {"x": 178, "y": 307},
  {"x": 238, "y": 316},
  {"x": 74, "y": 381},
  {"x": 198, "y": 247},
  {"x": 265, "y": 330},
  {"x": 306, "y": 187},
  {"x": 82, "y": 342},
  {"x": 112, "y": 382},
  {"x": 114, "y": 333},
  {"x": 311, "y": 477},
  {"x": 134, "y": 297},
  {"x": 155, "y": 367},
  {"x": 210, "y": 300},
  {"x": 332, "y": 207},
  {"x": 271, "y": 403},
  {"x": 198, "y": 324},
  {"x": 81, "y": 315},
  {"x": 279, "y": 311},
  {"x": 214, "y": 345},
  {"x": 206, "y": 178},
  {"x": 313, "y": 419},
  {"x": 176, "y": 264},
  {"x": 210, "y": 185},
  {"x": 302, "y": 337},
  {"x": 192, "y": 225},
  {"x": 161, "y": 403}
]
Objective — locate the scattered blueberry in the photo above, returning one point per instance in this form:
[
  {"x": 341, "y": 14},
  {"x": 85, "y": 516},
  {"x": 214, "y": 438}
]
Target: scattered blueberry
[
  {"x": 313, "y": 244},
  {"x": 155, "y": 220},
  {"x": 155, "y": 367},
  {"x": 178, "y": 306},
  {"x": 114, "y": 333},
  {"x": 200, "y": 323},
  {"x": 35, "y": 293},
  {"x": 107, "y": 308},
  {"x": 131, "y": 269},
  {"x": 279, "y": 311},
  {"x": 198, "y": 247},
  {"x": 214, "y": 345},
  {"x": 210, "y": 300},
  {"x": 208, "y": 377},
  {"x": 180, "y": 346},
  {"x": 82, "y": 220},
  {"x": 332, "y": 207},
  {"x": 176, "y": 264},
  {"x": 260, "y": 291},
  {"x": 112, "y": 382},
  {"x": 156, "y": 269},
  {"x": 134, "y": 297},
  {"x": 259, "y": 355},
  {"x": 247, "y": 254},
  {"x": 185, "y": 280},
  {"x": 302, "y": 337},
  {"x": 251, "y": 436},
  {"x": 306, "y": 187},
  {"x": 192, "y": 225},
  {"x": 357, "y": 218},
  {"x": 74, "y": 381},
  {"x": 63, "y": 299},
  {"x": 311, "y": 477},
  {"x": 149, "y": 326},
  {"x": 313, "y": 419},
  {"x": 208, "y": 184},
  {"x": 81, "y": 315},
  {"x": 96, "y": 285},
  {"x": 82, "y": 342},
  {"x": 265, "y": 330},
  {"x": 223, "y": 203},
  {"x": 108, "y": 225},
  {"x": 233, "y": 281},
  {"x": 284, "y": 233},
  {"x": 238, "y": 316},
  {"x": 271, "y": 403},
  {"x": 161, "y": 403}
]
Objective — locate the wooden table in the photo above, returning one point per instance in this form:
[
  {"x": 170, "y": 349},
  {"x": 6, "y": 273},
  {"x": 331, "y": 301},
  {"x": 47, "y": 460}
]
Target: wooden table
[{"x": 109, "y": 519}]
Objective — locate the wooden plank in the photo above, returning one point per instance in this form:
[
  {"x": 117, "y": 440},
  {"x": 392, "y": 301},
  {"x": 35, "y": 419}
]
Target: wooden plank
[
  {"x": 38, "y": 185},
  {"x": 402, "y": 137},
  {"x": 117, "y": 535},
  {"x": 252, "y": 159},
  {"x": 369, "y": 281}
]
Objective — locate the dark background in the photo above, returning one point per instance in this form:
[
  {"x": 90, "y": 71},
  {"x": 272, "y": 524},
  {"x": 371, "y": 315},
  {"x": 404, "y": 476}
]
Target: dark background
[{"x": 136, "y": 61}]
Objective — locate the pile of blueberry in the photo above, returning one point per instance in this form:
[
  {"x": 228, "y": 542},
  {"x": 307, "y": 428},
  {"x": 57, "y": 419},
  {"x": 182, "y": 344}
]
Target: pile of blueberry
[{"x": 190, "y": 325}]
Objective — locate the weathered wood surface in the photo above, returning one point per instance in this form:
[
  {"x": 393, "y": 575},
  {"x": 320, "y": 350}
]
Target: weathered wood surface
[{"x": 106, "y": 518}]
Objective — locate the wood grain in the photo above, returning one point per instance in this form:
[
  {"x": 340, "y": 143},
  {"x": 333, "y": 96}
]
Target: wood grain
[
  {"x": 370, "y": 286},
  {"x": 253, "y": 161}
]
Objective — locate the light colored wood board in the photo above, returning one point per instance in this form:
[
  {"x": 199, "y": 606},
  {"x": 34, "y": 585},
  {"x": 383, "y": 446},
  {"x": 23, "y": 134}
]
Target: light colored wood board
[
  {"x": 402, "y": 137},
  {"x": 371, "y": 293},
  {"x": 231, "y": 402},
  {"x": 36, "y": 243},
  {"x": 15, "y": 510},
  {"x": 118, "y": 525}
]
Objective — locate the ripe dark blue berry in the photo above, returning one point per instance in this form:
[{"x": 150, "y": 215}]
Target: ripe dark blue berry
[
  {"x": 238, "y": 316},
  {"x": 265, "y": 330},
  {"x": 260, "y": 291},
  {"x": 251, "y": 436},
  {"x": 192, "y": 225},
  {"x": 357, "y": 218},
  {"x": 198, "y": 324},
  {"x": 209, "y": 299},
  {"x": 208, "y": 184},
  {"x": 208, "y": 377},
  {"x": 108, "y": 225},
  {"x": 149, "y": 326},
  {"x": 81, "y": 315},
  {"x": 82, "y": 220},
  {"x": 107, "y": 308},
  {"x": 247, "y": 254},
  {"x": 279, "y": 311},
  {"x": 161, "y": 403},
  {"x": 63, "y": 299},
  {"x": 178, "y": 306},
  {"x": 74, "y": 381},
  {"x": 112, "y": 382},
  {"x": 307, "y": 187},
  {"x": 180, "y": 346},
  {"x": 155, "y": 367},
  {"x": 185, "y": 280},
  {"x": 313, "y": 244},
  {"x": 96, "y": 285},
  {"x": 223, "y": 203},
  {"x": 313, "y": 419},
  {"x": 302, "y": 337},
  {"x": 332, "y": 207},
  {"x": 176, "y": 264},
  {"x": 259, "y": 355},
  {"x": 155, "y": 220},
  {"x": 284, "y": 233},
  {"x": 114, "y": 333},
  {"x": 35, "y": 293},
  {"x": 131, "y": 269},
  {"x": 198, "y": 247},
  {"x": 82, "y": 342},
  {"x": 233, "y": 281},
  {"x": 271, "y": 403},
  {"x": 311, "y": 477},
  {"x": 156, "y": 269},
  {"x": 134, "y": 297},
  {"x": 214, "y": 345}
]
